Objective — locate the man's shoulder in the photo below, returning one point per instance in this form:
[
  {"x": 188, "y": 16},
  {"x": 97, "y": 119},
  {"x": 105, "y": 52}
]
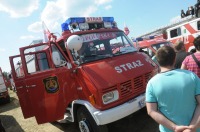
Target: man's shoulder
[
  {"x": 185, "y": 73},
  {"x": 157, "y": 77},
  {"x": 182, "y": 54},
  {"x": 188, "y": 53},
  {"x": 190, "y": 58},
  {"x": 173, "y": 72},
  {"x": 185, "y": 53},
  {"x": 197, "y": 54}
]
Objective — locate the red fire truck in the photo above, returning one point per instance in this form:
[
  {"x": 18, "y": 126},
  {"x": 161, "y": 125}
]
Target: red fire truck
[
  {"x": 150, "y": 45},
  {"x": 92, "y": 75},
  {"x": 186, "y": 29},
  {"x": 4, "y": 95}
]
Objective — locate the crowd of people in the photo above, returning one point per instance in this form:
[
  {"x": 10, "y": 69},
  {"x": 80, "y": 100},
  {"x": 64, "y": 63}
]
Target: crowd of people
[
  {"x": 174, "y": 100},
  {"x": 192, "y": 10},
  {"x": 191, "y": 62}
]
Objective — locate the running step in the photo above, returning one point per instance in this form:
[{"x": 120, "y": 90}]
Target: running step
[{"x": 67, "y": 118}]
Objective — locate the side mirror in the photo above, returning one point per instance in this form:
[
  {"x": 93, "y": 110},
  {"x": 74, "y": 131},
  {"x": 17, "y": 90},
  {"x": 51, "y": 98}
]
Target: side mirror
[{"x": 56, "y": 58}]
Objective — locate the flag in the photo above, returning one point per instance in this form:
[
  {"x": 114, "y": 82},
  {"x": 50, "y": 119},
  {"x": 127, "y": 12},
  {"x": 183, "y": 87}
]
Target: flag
[
  {"x": 46, "y": 32},
  {"x": 126, "y": 30}
]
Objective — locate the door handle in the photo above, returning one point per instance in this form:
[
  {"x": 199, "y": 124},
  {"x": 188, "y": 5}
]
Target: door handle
[
  {"x": 31, "y": 86},
  {"x": 19, "y": 87}
]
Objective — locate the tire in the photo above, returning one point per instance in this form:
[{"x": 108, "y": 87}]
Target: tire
[
  {"x": 2, "y": 129},
  {"x": 7, "y": 100},
  {"x": 87, "y": 123}
]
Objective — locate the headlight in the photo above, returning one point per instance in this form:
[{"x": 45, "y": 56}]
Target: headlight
[{"x": 110, "y": 97}]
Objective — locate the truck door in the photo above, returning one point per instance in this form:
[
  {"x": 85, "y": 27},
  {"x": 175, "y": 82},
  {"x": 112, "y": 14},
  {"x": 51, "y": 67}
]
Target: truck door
[
  {"x": 22, "y": 92},
  {"x": 45, "y": 81}
]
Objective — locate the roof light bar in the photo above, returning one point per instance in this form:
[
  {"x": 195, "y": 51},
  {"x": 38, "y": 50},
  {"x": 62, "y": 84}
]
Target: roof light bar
[{"x": 84, "y": 23}]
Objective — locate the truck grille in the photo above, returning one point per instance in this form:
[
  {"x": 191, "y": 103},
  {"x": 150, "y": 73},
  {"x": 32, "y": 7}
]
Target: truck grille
[
  {"x": 132, "y": 87},
  {"x": 148, "y": 76},
  {"x": 138, "y": 84},
  {"x": 125, "y": 88}
]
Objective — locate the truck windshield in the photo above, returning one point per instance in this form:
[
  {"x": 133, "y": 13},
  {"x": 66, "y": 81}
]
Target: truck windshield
[
  {"x": 157, "y": 46},
  {"x": 102, "y": 45}
]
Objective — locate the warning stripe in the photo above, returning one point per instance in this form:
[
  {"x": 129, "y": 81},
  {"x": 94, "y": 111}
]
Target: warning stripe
[{"x": 190, "y": 28}]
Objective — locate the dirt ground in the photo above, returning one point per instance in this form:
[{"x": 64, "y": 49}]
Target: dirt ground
[{"x": 13, "y": 121}]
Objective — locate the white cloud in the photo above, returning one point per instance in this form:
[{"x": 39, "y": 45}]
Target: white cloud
[
  {"x": 175, "y": 19},
  {"x": 2, "y": 50},
  {"x": 27, "y": 37},
  {"x": 101, "y": 2},
  {"x": 89, "y": 11},
  {"x": 57, "y": 11},
  {"x": 35, "y": 27},
  {"x": 19, "y": 8},
  {"x": 108, "y": 7}
]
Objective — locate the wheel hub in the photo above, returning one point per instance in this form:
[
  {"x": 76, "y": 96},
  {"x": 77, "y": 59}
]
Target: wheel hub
[{"x": 84, "y": 126}]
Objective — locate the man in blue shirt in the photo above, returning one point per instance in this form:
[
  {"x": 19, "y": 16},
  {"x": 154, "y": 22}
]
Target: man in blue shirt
[{"x": 173, "y": 96}]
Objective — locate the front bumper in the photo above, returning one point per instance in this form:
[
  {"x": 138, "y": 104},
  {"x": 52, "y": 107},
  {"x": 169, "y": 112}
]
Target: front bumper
[
  {"x": 115, "y": 113},
  {"x": 119, "y": 112}
]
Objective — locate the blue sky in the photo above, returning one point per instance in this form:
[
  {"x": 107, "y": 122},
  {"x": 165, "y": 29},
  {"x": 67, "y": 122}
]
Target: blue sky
[{"x": 21, "y": 19}]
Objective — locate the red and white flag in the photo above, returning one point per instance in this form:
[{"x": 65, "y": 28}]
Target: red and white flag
[
  {"x": 46, "y": 32},
  {"x": 126, "y": 30}
]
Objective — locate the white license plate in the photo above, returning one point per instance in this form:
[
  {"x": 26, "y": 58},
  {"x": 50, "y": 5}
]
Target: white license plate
[{"x": 141, "y": 103}]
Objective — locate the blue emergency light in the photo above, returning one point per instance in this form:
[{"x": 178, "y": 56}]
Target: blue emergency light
[
  {"x": 87, "y": 23},
  {"x": 151, "y": 37},
  {"x": 144, "y": 38},
  {"x": 139, "y": 39}
]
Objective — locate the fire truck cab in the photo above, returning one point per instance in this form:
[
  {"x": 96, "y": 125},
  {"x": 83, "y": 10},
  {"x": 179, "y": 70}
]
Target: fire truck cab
[
  {"x": 150, "y": 45},
  {"x": 92, "y": 75}
]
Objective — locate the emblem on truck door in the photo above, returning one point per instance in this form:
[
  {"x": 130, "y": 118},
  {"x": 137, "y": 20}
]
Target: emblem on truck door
[{"x": 51, "y": 84}]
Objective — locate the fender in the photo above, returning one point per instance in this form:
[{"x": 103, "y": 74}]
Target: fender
[
  {"x": 114, "y": 114},
  {"x": 89, "y": 107}
]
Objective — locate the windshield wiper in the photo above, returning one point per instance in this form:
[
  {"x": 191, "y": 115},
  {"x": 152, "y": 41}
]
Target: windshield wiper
[
  {"x": 117, "y": 53},
  {"x": 92, "y": 55}
]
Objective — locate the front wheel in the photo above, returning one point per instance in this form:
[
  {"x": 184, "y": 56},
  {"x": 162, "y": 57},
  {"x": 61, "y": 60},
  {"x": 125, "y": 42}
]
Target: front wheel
[
  {"x": 7, "y": 100},
  {"x": 87, "y": 123}
]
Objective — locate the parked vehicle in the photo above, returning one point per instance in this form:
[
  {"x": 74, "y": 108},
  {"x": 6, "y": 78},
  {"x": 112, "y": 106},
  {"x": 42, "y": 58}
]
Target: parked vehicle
[
  {"x": 150, "y": 45},
  {"x": 4, "y": 94},
  {"x": 92, "y": 75},
  {"x": 186, "y": 30}
]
